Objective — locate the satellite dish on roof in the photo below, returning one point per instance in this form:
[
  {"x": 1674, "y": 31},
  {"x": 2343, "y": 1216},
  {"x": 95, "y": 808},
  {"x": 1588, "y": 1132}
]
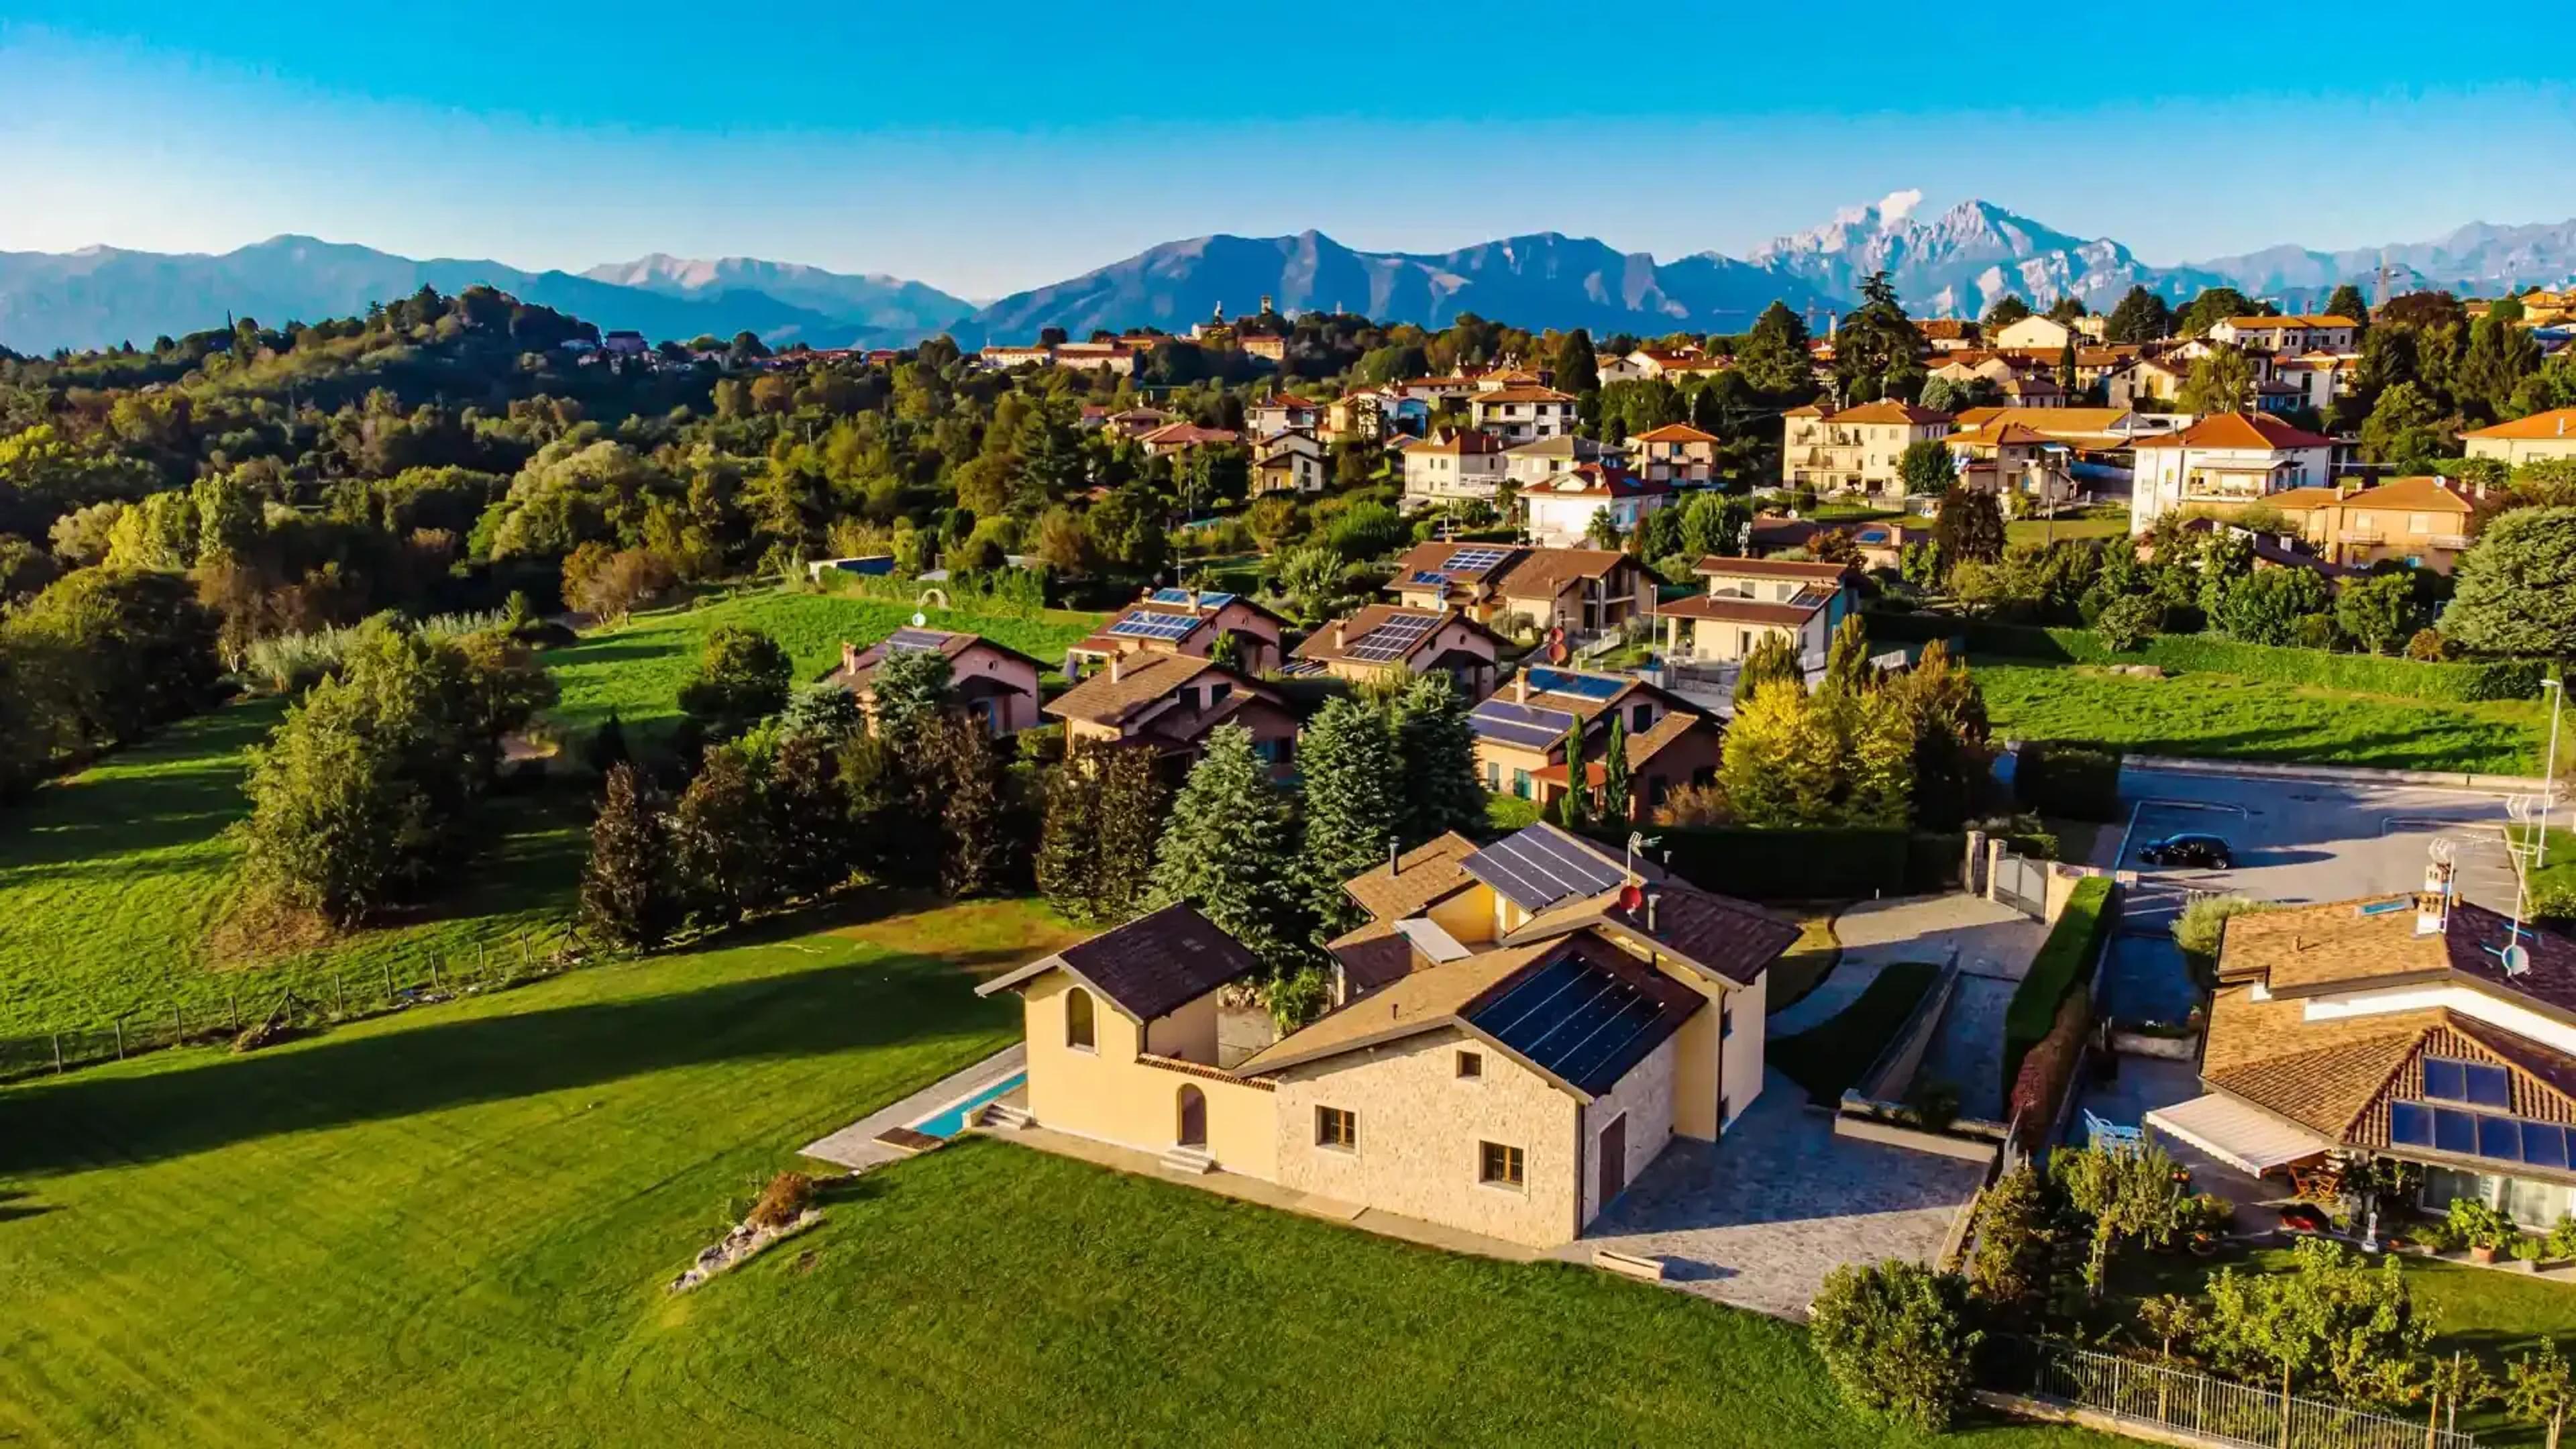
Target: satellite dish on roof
[
  {"x": 1631, "y": 898},
  {"x": 2443, "y": 848},
  {"x": 2516, "y": 958}
]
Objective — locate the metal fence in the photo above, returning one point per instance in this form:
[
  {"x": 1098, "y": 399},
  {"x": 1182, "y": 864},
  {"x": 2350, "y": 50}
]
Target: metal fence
[
  {"x": 216, "y": 1008},
  {"x": 2220, "y": 1411}
]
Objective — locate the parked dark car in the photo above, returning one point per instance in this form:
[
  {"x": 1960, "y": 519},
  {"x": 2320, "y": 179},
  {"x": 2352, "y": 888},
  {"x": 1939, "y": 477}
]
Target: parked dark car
[{"x": 2207, "y": 851}]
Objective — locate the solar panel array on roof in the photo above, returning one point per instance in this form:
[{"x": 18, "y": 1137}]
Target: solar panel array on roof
[
  {"x": 1184, "y": 596},
  {"x": 1431, "y": 577},
  {"x": 1557, "y": 681},
  {"x": 1536, "y": 867},
  {"x": 1518, "y": 724},
  {"x": 1393, "y": 638},
  {"x": 1147, "y": 624},
  {"x": 1577, "y": 1021},
  {"x": 910, "y": 641},
  {"x": 1474, "y": 560}
]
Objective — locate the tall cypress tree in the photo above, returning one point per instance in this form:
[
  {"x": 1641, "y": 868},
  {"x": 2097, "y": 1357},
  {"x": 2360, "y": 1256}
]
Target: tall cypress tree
[
  {"x": 1615, "y": 783},
  {"x": 1354, "y": 802},
  {"x": 1133, "y": 800},
  {"x": 626, "y": 889},
  {"x": 1569, "y": 806},
  {"x": 1438, "y": 746},
  {"x": 720, "y": 840},
  {"x": 1068, "y": 862},
  {"x": 1230, "y": 849}
]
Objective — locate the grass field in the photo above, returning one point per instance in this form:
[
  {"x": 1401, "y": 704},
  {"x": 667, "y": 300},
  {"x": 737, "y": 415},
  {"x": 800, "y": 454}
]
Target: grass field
[
  {"x": 1827, "y": 1059},
  {"x": 2223, "y": 717},
  {"x": 1807, "y": 962},
  {"x": 110, "y": 880},
  {"x": 2100, "y": 522},
  {"x": 453, "y": 1227},
  {"x": 638, "y": 668},
  {"x": 2493, "y": 1315}
]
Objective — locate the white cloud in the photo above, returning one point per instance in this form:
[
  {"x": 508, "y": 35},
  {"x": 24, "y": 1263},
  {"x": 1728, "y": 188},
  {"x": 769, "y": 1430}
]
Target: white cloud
[{"x": 1898, "y": 205}]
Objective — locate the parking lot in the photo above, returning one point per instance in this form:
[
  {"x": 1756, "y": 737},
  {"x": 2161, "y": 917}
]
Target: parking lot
[{"x": 2292, "y": 841}]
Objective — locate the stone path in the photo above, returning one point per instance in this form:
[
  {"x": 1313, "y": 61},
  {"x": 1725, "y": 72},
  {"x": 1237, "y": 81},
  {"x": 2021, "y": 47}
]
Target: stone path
[
  {"x": 856, "y": 1147},
  {"x": 1760, "y": 1219},
  {"x": 1969, "y": 1052},
  {"x": 1993, "y": 939}
]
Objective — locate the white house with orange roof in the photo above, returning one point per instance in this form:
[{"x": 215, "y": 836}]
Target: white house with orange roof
[
  {"x": 1281, "y": 412},
  {"x": 1674, "y": 453},
  {"x": 1753, "y": 599},
  {"x": 1558, "y": 512},
  {"x": 2223, "y": 461},
  {"x": 1454, "y": 465},
  {"x": 2539, "y": 438},
  {"x": 1856, "y": 449},
  {"x": 1522, "y": 414},
  {"x": 2320, "y": 332}
]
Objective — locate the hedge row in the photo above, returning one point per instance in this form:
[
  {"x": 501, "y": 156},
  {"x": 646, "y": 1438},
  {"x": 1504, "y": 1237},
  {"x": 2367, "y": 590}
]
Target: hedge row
[
  {"x": 2068, "y": 781},
  {"x": 2039, "y": 1088},
  {"x": 2317, "y": 668},
  {"x": 1773, "y": 865},
  {"x": 2055, "y": 973}
]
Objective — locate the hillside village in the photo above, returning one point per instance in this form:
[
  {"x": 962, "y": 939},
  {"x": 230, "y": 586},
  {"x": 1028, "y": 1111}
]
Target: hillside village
[{"x": 1963, "y": 871}]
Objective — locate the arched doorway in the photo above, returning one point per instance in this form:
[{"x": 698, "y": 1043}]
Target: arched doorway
[{"x": 1193, "y": 1115}]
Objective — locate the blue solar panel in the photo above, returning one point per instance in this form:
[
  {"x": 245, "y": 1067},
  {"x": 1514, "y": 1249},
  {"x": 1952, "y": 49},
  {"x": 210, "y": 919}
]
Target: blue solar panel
[
  {"x": 1589, "y": 686},
  {"x": 1184, "y": 596},
  {"x": 1432, "y": 577},
  {"x": 1537, "y": 867},
  {"x": 1392, "y": 639},
  {"x": 1474, "y": 560},
  {"x": 908, "y": 641},
  {"x": 1518, "y": 724},
  {"x": 1146, "y": 624},
  {"x": 1576, "y": 1020}
]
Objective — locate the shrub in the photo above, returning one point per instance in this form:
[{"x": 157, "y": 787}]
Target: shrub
[
  {"x": 2428, "y": 646},
  {"x": 783, "y": 1201},
  {"x": 2128, "y": 623},
  {"x": 2056, "y": 973},
  {"x": 2047, "y": 1066},
  {"x": 1895, "y": 1338},
  {"x": 2478, "y": 1225},
  {"x": 2070, "y": 781},
  {"x": 2202, "y": 927}
]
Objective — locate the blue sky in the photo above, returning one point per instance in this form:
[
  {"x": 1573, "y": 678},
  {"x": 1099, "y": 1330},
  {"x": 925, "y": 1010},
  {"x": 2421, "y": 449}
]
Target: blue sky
[{"x": 999, "y": 145}]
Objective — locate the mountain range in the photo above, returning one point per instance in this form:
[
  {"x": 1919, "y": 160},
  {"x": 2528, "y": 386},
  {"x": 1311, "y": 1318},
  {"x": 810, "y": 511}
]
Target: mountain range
[{"x": 1954, "y": 263}]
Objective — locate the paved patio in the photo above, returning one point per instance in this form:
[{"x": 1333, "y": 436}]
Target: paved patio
[
  {"x": 1992, "y": 939},
  {"x": 1969, "y": 1052},
  {"x": 1759, "y": 1220},
  {"x": 856, "y": 1146}
]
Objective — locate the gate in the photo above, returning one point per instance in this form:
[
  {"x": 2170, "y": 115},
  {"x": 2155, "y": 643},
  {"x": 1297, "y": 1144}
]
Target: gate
[{"x": 2021, "y": 883}]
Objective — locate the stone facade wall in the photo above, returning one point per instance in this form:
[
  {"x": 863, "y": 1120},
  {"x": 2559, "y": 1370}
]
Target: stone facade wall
[
  {"x": 1419, "y": 1130},
  {"x": 1645, "y": 1098}
]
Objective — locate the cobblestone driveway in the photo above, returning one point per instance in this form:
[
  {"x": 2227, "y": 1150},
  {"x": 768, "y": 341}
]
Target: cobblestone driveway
[{"x": 1759, "y": 1220}]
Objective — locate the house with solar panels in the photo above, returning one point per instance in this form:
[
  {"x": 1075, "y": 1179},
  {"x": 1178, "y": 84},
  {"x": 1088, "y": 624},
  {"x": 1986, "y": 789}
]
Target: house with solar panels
[
  {"x": 991, "y": 683},
  {"x": 1558, "y": 513},
  {"x": 1169, "y": 703},
  {"x": 1386, "y": 639},
  {"x": 1534, "y": 1022},
  {"x": 1522, "y": 729},
  {"x": 1580, "y": 590},
  {"x": 1186, "y": 621},
  {"x": 1753, "y": 599},
  {"x": 2415, "y": 1026}
]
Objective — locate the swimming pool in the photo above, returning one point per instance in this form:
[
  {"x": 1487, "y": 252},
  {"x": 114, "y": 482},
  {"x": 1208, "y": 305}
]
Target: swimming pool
[{"x": 951, "y": 1119}]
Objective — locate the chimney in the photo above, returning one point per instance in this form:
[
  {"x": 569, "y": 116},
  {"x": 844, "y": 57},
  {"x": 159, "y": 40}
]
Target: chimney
[
  {"x": 1520, "y": 687},
  {"x": 1337, "y": 637},
  {"x": 1653, "y": 899},
  {"x": 1113, "y": 667},
  {"x": 1394, "y": 856},
  {"x": 2433, "y": 907}
]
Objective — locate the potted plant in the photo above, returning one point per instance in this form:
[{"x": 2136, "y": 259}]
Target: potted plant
[
  {"x": 2527, "y": 1251},
  {"x": 2483, "y": 1228}
]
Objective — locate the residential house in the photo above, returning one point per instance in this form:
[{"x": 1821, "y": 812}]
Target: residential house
[
  {"x": 2037, "y": 332},
  {"x": 991, "y": 683},
  {"x": 1181, "y": 437},
  {"x": 1433, "y": 391},
  {"x": 2145, "y": 380},
  {"x": 1453, "y": 464},
  {"x": 1531, "y": 463},
  {"x": 1674, "y": 453},
  {"x": 1583, "y": 591},
  {"x": 1522, "y": 414},
  {"x": 2318, "y": 377},
  {"x": 1375, "y": 413},
  {"x": 1521, "y": 732},
  {"x": 1136, "y": 422},
  {"x": 1110, "y": 357},
  {"x": 2323, "y": 332},
  {"x": 1169, "y": 703},
  {"x": 1672, "y": 364},
  {"x": 1280, "y": 413},
  {"x": 1181, "y": 621},
  {"x": 1947, "y": 334},
  {"x": 1857, "y": 448},
  {"x": 1753, "y": 599},
  {"x": 1439, "y": 575},
  {"x": 1289, "y": 462},
  {"x": 1473, "y": 1086},
  {"x": 1383, "y": 640},
  {"x": 2413, "y": 1026},
  {"x": 2224, "y": 460},
  {"x": 2014, "y": 458},
  {"x": 2423, "y": 522},
  {"x": 2538, "y": 438},
  {"x": 1558, "y": 513}
]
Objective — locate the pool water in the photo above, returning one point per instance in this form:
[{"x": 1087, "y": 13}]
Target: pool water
[{"x": 951, "y": 1120}]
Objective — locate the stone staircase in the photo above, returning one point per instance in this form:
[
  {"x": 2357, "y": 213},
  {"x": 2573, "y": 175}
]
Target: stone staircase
[
  {"x": 1005, "y": 1116},
  {"x": 1188, "y": 1161}
]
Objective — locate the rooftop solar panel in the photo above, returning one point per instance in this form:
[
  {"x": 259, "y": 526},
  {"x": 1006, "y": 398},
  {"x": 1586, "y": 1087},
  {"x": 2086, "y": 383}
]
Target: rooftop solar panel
[
  {"x": 1146, "y": 624},
  {"x": 1539, "y": 866},
  {"x": 1474, "y": 560},
  {"x": 1391, "y": 639},
  {"x": 1429, "y": 576},
  {"x": 1518, "y": 724},
  {"x": 1557, "y": 681},
  {"x": 1576, "y": 1020},
  {"x": 1184, "y": 596},
  {"x": 914, "y": 640}
]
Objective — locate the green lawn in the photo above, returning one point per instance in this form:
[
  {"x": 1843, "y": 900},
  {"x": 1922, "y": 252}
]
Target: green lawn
[
  {"x": 110, "y": 880},
  {"x": 1808, "y": 962},
  {"x": 2220, "y": 716},
  {"x": 453, "y": 1226},
  {"x": 2494, "y": 1315},
  {"x": 1827, "y": 1059},
  {"x": 638, "y": 668},
  {"x": 2105, "y": 522}
]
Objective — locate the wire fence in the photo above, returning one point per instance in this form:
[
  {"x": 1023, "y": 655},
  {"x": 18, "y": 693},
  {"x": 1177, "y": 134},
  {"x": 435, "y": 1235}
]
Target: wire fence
[
  {"x": 2218, "y": 1411},
  {"x": 224, "y": 1010}
]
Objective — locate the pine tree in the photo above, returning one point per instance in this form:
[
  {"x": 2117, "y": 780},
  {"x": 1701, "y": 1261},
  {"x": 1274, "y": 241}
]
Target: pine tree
[
  {"x": 1132, "y": 804},
  {"x": 974, "y": 826},
  {"x": 626, "y": 889},
  {"x": 809, "y": 817},
  {"x": 1354, "y": 802},
  {"x": 1847, "y": 657},
  {"x": 1438, "y": 747},
  {"x": 1615, "y": 783},
  {"x": 1068, "y": 862},
  {"x": 720, "y": 841},
  {"x": 1230, "y": 849}
]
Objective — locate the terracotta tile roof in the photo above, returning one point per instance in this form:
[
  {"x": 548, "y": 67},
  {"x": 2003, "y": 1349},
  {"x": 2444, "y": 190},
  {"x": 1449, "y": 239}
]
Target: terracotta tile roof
[
  {"x": 1890, "y": 412},
  {"x": 1372, "y": 956},
  {"x": 2295, "y": 499},
  {"x": 1597, "y": 480},
  {"x": 1665, "y": 732},
  {"x": 952, "y": 643},
  {"x": 2305, "y": 319},
  {"x": 1522, "y": 395},
  {"x": 1428, "y": 872},
  {"x": 1433, "y": 557},
  {"x": 2556, "y": 423},
  {"x": 1719, "y": 609},
  {"x": 1674, "y": 433},
  {"x": 2057, "y": 422},
  {"x": 1544, "y": 573},
  {"x": 1139, "y": 679},
  {"x": 1355, "y": 629},
  {"x": 2312, "y": 950},
  {"x": 1183, "y": 435},
  {"x": 1721, "y": 936},
  {"x": 2245, "y": 431},
  {"x": 1462, "y": 442},
  {"x": 1286, "y": 400},
  {"x": 1150, "y": 965},
  {"x": 1773, "y": 568},
  {"x": 2417, "y": 494}
]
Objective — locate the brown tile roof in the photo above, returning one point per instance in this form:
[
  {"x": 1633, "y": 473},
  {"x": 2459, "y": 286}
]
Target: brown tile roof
[
  {"x": 1186, "y": 435},
  {"x": 1773, "y": 568},
  {"x": 2556, "y": 423},
  {"x": 1354, "y": 632},
  {"x": 1428, "y": 872},
  {"x": 2313, "y": 950},
  {"x": 1673, "y": 727},
  {"x": 1521, "y": 395},
  {"x": 1790, "y": 613},
  {"x": 2419, "y": 494},
  {"x": 2053, "y": 421},
  {"x": 1465, "y": 442},
  {"x": 1674, "y": 433},
  {"x": 1150, "y": 965},
  {"x": 1140, "y": 678},
  {"x": 1597, "y": 480},
  {"x": 1372, "y": 956},
  {"x": 1433, "y": 557},
  {"x": 952, "y": 643},
  {"x": 1888, "y": 411},
  {"x": 2238, "y": 430},
  {"x": 1721, "y": 936},
  {"x": 1544, "y": 573}
]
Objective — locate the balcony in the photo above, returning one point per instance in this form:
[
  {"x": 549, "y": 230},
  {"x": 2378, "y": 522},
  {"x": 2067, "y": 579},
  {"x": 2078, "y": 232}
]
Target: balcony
[
  {"x": 2454, "y": 542},
  {"x": 2361, "y": 536}
]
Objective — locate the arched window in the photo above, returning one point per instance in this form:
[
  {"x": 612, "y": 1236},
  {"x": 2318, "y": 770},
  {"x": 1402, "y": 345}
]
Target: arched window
[{"x": 1077, "y": 1018}]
